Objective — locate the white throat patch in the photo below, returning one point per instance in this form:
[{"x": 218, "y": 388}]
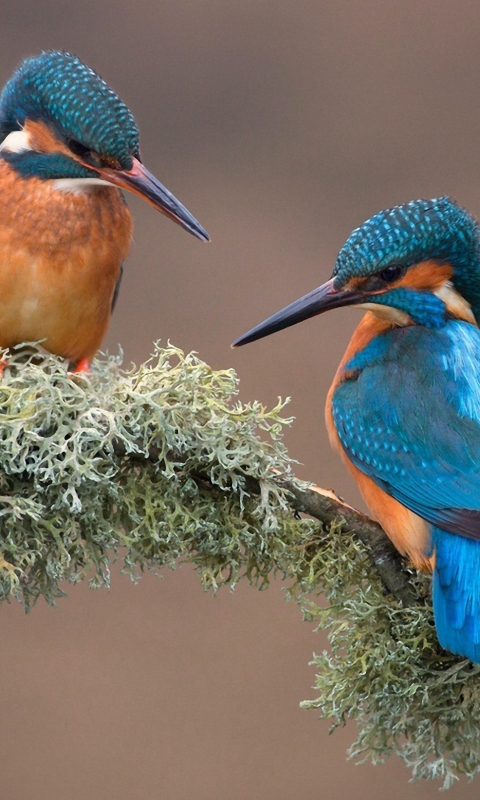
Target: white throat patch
[
  {"x": 77, "y": 185},
  {"x": 390, "y": 314}
]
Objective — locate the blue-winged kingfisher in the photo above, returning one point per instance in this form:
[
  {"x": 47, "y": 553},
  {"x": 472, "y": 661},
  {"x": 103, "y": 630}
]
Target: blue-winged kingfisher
[
  {"x": 68, "y": 145},
  {"x": 404, "y": 406}
]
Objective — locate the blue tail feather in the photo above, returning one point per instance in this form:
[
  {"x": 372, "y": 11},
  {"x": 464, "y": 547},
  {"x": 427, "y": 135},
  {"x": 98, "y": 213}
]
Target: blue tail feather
[{"x": 456, "y": 593}]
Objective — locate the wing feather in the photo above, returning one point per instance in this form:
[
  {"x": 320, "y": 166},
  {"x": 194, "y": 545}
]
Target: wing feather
[{"x": 408, "y": 416}]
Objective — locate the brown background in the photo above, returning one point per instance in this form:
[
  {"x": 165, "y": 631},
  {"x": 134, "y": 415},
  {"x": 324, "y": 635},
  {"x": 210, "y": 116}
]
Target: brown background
[{"x": 281, "y": 125}]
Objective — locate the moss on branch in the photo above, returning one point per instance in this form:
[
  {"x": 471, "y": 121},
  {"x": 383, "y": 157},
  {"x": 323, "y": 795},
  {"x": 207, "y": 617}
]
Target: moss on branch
[{"x": 162, "y": 464}]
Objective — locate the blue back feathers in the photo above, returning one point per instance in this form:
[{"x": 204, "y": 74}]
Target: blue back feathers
[
  {"x": 437, "y": 229},
  {"x": 57, "y": 88}
]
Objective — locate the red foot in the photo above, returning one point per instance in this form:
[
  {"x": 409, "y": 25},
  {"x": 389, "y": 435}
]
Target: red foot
[
  {"x": 3, "y": 365},
  {"x": 82, "y": 366}
]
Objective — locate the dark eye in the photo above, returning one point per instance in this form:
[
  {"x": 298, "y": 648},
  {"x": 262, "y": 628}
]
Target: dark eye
[
  {"x": 78, "y": 148},
  {"x": 392, "y": 273},
  {"x": 90, "y": 157}
]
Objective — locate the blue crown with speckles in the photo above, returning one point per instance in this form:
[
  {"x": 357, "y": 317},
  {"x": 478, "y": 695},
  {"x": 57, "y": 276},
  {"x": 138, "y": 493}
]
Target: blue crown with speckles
[
  {"x": 57, "y": 88},
  {"x": 437, "y": 229}
]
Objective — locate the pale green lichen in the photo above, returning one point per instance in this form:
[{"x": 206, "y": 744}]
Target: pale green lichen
[
  {"x": 146, "y": 465},
  {"x": 386, "y": 671},
  {"x": 152, "y": 467}
]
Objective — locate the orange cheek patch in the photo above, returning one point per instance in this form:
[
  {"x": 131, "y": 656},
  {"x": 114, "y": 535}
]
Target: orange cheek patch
[
  {"x": 426, "y": 275},
  {"x": 43, "y": 140}
]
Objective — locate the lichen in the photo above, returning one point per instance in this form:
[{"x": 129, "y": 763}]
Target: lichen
[
  {"x": 153, "y": 467},
  {"x": 145, "y": 465},
  {"x": 386, "y": 671}
]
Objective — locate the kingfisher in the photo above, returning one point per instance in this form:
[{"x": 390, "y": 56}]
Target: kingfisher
[
  {"x": 68, "y": 146},
  {"x": 404, "y": 407}
]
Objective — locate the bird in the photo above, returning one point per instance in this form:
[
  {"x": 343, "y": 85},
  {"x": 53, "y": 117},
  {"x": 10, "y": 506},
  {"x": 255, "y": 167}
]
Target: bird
[
  {"x": 403, "y": 410},
  {"x": 68, "y": 146}
]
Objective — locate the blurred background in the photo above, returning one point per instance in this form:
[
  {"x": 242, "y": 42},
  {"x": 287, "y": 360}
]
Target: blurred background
[{"x": 282, "y": 125}]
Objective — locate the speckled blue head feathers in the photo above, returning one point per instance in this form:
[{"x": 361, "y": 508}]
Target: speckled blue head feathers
[
  {"x": 57, "y": 88},
  {"x": 401, "y": 259},
  {"x": 438, "y": 230}
]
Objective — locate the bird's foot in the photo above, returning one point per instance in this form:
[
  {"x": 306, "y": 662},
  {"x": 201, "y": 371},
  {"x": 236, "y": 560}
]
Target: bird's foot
[{"x": 82, "y": 366}]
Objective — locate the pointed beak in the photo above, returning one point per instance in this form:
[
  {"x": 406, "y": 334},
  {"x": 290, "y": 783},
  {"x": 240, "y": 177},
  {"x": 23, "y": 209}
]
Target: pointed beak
[
  {"x": 140, "y": 181},
  {"x": 316, "y": 302}
]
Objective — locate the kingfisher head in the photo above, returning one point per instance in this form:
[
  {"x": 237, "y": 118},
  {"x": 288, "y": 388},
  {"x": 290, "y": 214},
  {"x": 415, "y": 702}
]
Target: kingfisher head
[
  {"x": 59, "y": 121},
  {"x": 415, "y": 264}
]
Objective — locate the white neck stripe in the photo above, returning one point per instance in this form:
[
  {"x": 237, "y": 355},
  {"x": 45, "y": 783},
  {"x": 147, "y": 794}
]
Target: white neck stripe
[{"x": 16, "y": 142}]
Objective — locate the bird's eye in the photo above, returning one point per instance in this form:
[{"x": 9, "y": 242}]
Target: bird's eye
[
  {"x": 78, "y": 148},
  {"x": 392, "y": 273},
  {"x": 90, "y": 157}
]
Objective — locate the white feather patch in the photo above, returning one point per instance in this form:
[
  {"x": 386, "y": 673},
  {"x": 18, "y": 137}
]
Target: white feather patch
[
  {"x": 456, "y": 304},
  {"x": 77, "y": 184},
  {"x": 16, "y": 142},
  {"x": 388, "y": 313}
]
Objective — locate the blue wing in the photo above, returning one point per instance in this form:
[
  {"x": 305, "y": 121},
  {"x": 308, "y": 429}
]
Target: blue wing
[{"x": 409, "y": 417}]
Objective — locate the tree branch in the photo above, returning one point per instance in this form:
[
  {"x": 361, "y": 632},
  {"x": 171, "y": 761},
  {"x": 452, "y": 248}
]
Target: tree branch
[
  {"x": 162, "y": 465},
  {"x": 326, "y": 507}
]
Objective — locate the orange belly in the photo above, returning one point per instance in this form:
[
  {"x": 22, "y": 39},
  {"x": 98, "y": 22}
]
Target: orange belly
[
  {"x": 60, "y": 260},
  {"x": 409, "y": 533}
]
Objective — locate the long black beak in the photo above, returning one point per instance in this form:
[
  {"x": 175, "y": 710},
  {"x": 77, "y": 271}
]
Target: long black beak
[
  {"x": 313, "y": 303},
  {"x": 140, "y": 181}
]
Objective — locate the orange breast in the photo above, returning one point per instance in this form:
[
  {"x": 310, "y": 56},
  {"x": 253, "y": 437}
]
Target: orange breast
[
  {"x": 60, "y": 259},
  {"x": 409, "y": 533}
]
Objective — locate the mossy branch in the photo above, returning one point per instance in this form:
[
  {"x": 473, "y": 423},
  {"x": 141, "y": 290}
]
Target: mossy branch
[
  {"x": 324, "y": 506},
  {"x": 162, "y": 464}
]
